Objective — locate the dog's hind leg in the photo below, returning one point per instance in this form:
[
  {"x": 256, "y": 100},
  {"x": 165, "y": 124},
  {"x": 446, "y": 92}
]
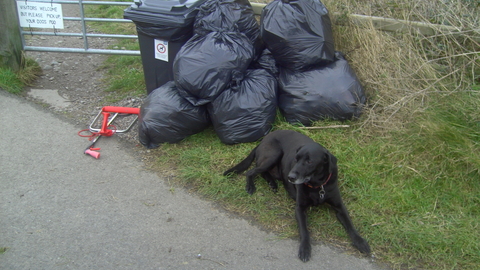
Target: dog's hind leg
[
  {"x": 250, "y": 186},
  {"x": 272, "y": 182},
  {"x": 263, "y": 165}
]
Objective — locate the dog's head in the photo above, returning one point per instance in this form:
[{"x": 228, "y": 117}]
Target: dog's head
[{"x": 312, "y": 162}]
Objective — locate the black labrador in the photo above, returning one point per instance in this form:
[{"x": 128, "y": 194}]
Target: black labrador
[{"x": 308, "y": 172}]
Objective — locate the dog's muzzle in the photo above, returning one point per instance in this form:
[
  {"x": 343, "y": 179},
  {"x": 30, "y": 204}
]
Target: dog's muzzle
[{"x": 296, "y": 180}]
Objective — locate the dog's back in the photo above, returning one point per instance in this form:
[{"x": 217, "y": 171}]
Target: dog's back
[
  {"x": 279, "y": 142},
  {"x": 285, "y": 140}
]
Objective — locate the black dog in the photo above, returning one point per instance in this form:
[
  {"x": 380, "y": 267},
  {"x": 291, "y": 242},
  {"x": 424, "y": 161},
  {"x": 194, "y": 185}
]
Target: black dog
[{"x": 309, "y": 174}]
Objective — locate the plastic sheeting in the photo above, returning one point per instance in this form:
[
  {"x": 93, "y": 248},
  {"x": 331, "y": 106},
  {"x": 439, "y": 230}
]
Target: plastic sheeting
[
  {"x": 166, "y": 117},
  {"x": 204, "y": 66},
  {"x": 298, "y": 33},
  {"x": 331, "y": 91},
  {"x": 245, "y": 112}
]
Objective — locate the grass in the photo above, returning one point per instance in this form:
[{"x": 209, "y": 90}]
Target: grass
[
  {"x": 125, "y": 73},
  {"x": 124, "y": 77},
  {"x": 9, "y": 81},
  {"x": 15, "y": 82},
  {"x": 409, "y": 168}
]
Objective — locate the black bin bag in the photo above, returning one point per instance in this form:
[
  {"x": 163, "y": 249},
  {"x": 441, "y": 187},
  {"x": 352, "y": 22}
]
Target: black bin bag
[
  {"x": 204, "y": 66},
  {"x": 229, "y": 16},
  {"x": 298, "y": 33},
  {"x": 246, "y": 111},
  {"x": 332, "y": 91},
  {"x": 166, "y": 117}
]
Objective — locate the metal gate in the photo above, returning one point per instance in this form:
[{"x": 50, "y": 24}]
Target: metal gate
[{"x": 84, "y": 34}]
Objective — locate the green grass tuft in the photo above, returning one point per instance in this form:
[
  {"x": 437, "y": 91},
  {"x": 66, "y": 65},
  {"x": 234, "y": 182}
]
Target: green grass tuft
[
  {"x": 10, "y": 82},
  {"x": 15, "y": 82}
]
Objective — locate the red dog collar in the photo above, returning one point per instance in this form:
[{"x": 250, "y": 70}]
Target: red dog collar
[{"x": 310, "y": 186}]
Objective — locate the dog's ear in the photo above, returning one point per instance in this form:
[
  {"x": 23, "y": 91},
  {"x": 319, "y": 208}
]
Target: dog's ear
[{"x": 330, "y": 161}]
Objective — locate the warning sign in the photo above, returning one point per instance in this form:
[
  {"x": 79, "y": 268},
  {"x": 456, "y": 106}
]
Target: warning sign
[
  {"x": 40, "y": 15},
  {"x": 161, "y": 50}
]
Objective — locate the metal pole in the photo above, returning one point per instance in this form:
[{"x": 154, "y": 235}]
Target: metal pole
[{"x": 84, "y": 26}]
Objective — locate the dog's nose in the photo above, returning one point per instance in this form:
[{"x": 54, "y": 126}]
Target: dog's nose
[{"x": 292, "y": 176}]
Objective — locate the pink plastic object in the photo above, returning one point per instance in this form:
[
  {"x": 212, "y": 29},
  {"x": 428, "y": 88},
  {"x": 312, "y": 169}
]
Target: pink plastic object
[{"x": 92, "y": 153}]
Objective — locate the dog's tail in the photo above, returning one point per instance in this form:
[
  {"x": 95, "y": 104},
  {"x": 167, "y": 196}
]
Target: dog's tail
[{"x": 243, "y": 165}]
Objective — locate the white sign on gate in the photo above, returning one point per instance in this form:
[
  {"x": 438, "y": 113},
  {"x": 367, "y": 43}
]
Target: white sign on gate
[{"x": 40, "y": 15}]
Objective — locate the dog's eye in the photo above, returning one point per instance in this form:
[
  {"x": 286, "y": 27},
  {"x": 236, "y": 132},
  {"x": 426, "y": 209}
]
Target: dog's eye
[{"x": 309, "y": 161}]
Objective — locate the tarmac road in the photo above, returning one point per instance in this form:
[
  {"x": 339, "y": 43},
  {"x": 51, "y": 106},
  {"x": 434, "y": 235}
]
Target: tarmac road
[{"x": 60, "y": 209}]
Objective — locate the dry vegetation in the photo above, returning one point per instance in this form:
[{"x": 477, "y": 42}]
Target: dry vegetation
[{"x": 400, "y": 70}]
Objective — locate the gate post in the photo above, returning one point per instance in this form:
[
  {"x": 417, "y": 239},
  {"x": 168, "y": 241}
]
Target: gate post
[{"x": 10, "y": 37}]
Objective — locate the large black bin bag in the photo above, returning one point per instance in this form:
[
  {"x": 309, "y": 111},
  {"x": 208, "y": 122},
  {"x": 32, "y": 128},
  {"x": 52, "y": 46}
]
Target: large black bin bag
[
  {"x": 332, "y": 91},
  {"x": 204, "y": 66},
  {"x": 245, "y": 112},
  {"x": 229, "y": 16},
  {"x": 166, "y": 117},
  {"x": 298, "y": 33}
]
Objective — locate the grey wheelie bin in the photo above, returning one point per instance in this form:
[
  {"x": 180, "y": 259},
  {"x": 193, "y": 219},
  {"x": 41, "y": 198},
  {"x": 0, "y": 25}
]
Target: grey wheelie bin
[{"x": 163, "y": 26}]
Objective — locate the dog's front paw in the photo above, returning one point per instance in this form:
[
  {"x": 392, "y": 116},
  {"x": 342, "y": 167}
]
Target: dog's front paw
[
  {"x": 250, "y": 188},
  {"x": 362, "y": 245},
  {"x": 305, "y": 252}
]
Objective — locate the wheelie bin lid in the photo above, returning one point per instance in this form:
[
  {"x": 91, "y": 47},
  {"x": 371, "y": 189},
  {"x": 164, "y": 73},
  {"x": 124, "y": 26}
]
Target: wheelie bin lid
[{"x": 163, "y": 12}]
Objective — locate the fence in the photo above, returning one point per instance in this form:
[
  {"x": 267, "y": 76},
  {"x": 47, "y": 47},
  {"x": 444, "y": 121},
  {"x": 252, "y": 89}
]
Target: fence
[
  {"x": 384, "y": 24},
  {"x": 84, "y": 34}
]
